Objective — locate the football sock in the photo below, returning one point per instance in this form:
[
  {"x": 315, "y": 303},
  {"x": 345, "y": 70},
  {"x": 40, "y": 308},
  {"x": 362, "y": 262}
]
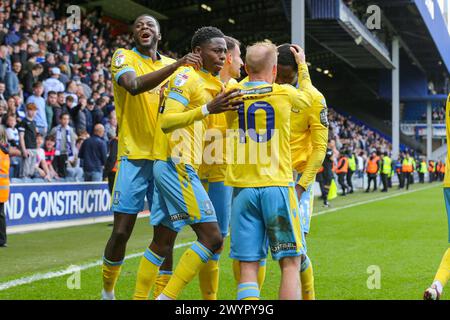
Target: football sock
[
  {"x": 192, "y": 260},
  {"x": 111, "y": 272},
  {"x": 209, "y": 278},
  {"x": 261, "y": 272},
  {"x": 161, "y": 281},
  {"x": 146, "y": 275},
  {"x": 248, "y": 291},
  {"x": 307, "y": 280},
  {"x": 443, "y": 273}
]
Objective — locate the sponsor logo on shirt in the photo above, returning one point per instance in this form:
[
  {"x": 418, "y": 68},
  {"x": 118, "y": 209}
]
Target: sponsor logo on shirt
[{"x": 180, "y": 79}]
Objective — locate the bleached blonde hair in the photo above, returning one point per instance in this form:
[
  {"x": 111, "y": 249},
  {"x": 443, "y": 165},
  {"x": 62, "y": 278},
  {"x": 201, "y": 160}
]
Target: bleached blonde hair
[{"x": 261, "y": 57}]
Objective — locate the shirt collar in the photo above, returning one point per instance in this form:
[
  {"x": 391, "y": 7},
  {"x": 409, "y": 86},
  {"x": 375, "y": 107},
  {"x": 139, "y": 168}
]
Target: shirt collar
[
  {"x": 255, "y": 83},
  {"x": 158, "y": 55}
]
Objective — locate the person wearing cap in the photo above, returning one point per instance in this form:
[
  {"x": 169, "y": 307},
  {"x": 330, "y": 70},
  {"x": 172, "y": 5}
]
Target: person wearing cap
[
  {"x": 53, "y": 83},
  {"x": 27, "y": 140}
]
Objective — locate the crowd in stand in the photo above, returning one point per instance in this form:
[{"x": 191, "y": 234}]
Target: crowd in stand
[
  {"x": 55, "y": 92},
  {"x": 438, "y": 114},
  {"x": 347, "y": 137}
]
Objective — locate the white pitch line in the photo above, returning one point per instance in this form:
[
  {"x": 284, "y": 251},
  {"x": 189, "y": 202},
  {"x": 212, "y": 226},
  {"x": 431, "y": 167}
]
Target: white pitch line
[
  {"x": 69, "y": 270},
  {"x": 372, "y": 200},
  {"x": 60, "y": 273}
]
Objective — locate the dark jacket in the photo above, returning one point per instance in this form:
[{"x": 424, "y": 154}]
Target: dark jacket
[{"x": 93, "y": 154}]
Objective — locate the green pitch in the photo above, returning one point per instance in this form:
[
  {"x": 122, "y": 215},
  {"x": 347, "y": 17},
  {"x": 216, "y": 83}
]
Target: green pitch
[{"x": 388, "y": 248}]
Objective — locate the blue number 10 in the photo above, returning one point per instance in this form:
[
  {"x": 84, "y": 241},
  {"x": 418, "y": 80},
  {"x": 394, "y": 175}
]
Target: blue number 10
[{"x": 251, "y": 125}]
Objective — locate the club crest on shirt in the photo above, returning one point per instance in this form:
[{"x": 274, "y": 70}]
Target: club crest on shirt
[
  {"x": 180, "y": 79},
  {"x": 119, "y": 60},
  {"x": 324, "y": 117}
]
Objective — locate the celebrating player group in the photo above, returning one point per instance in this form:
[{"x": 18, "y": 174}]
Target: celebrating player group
[{"x": 222, "y": 156}]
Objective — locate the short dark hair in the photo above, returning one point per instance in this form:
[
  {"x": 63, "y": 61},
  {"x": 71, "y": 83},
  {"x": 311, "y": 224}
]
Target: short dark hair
[
  {"x": 64, "y": 114},
  {"x": 205, "y": 34},
  {"x": 148, "y": 15},
  {"x": 37, "y": 84},
  {"x": 232, "y": 42},
  {"x": 51, "y": 92},
  {"x": 285, "y": 56}
]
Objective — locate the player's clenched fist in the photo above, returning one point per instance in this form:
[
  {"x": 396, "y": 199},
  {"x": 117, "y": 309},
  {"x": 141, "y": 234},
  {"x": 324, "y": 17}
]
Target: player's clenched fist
[
  {"x": 191, "y": 59},
  {"x": 225, "y": 101}
]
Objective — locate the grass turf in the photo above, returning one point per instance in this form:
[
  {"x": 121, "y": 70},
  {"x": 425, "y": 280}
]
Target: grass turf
[{"x": 404, "y": 237}]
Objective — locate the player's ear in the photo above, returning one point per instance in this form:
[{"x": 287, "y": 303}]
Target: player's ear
[
  {"x": 229, "y": 58},
  {"x": 246, "y": 69},
  {"x": 274, "y": 72},
  {"x": 197, "y": 50}
]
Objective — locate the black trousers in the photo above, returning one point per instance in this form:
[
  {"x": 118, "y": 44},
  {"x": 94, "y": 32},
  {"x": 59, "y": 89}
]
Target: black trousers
[
  {"x": 372, "y": 177},
  {"x": 2, "y": 224},
  {"x": 400, "y": 180},
  {"x": 389, "y": 181},
  {"x": 349, "y": 179},
  {"x": 431, "y": 176},
  {"x": 384, "y": 181},
  {"x": 421, "y": 177},
  {"x": 341, "y": 180},
  {"x": 406, "y": 179}
]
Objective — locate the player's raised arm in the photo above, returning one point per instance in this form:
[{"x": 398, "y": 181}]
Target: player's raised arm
[
  {"x": 304, "y": 78},
  {"x": 174, "y": 116},
  {"x": 136, "y": 85}
]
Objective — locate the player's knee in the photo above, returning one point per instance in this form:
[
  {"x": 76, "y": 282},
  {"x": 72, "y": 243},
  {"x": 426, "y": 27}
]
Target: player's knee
[
  {"x": 213, "y": 242},
  {"x": 290, "y": 264},
  {"x": 120, "y": 236}
]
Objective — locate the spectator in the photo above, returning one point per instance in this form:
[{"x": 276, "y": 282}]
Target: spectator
[
  {"x": 52, "y": 103},
  {"x": 65, "y": 138},
  {"x": 12, "y": 135},
  {"x": 49, "y": 64},
  {"x": 42, "y": 170},
  {"x": 36, "y": 98},
  {"x": 5, "y": 62},
  {"x": 12, "y": 79},
  {"x": 20, "y": 107},
  {"x": 52, "y": 83},
  {"x": 31, "y": 78},
  {"x": 27, "y": 140},
  {"x": 79, "y": 116},
  {"x": 49, "y": 152},
  {"x": 111, "y": 163},
  {"x": 13, "y": 35},
  {"x": 111, "y": 126},
  {"x": 71, "y": 90},
  {"x": 93, "y": 154},
  {"x": 2, "y": 91}
]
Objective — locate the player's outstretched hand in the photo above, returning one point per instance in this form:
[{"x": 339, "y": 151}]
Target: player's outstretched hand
[
  {"x": 299, "y": 54},
  {"x": 192, "y": 60},
  {"x": 225, "y": 101}
]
